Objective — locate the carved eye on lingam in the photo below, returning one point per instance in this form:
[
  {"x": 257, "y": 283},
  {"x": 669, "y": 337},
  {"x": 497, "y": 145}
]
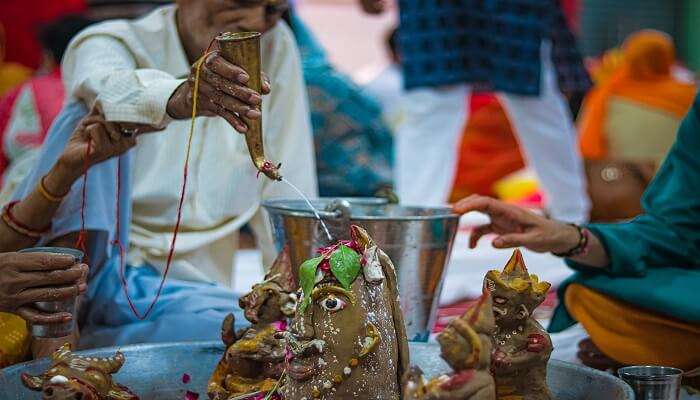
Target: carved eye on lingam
[{"x": 332, "y": 303}]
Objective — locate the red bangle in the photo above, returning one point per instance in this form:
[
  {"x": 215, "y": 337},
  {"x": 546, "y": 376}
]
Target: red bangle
[{"x": 18, "y": 226}]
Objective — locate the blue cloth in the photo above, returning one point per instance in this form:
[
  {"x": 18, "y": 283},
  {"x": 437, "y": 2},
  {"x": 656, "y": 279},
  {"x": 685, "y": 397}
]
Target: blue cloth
[
  {"x": 186, "y": 311},
  {"x": 493, "y": 44},
  {"x": 354, "y": 148},
  {"x": 654, "y": 258}
]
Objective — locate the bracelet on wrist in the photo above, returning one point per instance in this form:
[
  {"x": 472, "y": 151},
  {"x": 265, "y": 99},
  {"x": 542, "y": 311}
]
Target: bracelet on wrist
[
  {"x": 18, "y": 227},
  {"x": 581, "y": 247},
  {"x": 45, "y": 193}
]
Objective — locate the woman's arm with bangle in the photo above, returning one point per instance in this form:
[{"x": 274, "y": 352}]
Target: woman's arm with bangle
[
  {"x": 27, "y": 219},
  {"x": 94, "y": 140}
]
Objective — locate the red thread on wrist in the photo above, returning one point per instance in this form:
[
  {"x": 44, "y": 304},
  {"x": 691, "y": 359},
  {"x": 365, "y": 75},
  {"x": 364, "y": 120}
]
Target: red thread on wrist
[{"x": 19, "y": 227}]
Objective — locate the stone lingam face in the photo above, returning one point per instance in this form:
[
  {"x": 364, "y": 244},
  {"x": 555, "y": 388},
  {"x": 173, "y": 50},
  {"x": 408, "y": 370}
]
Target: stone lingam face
[
  {"x": 73, "y": 377},
  {"x": 346, "y": 336},
  {"x": 515, "y": 292}
]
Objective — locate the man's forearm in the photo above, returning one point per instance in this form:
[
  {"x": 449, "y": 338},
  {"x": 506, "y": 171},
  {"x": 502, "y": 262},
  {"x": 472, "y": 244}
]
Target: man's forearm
[{"x": 102, "y": 71}]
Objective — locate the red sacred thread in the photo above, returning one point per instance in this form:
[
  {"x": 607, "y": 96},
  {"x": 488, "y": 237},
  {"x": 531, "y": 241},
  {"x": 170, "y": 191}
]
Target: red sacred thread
[
  {"x": 117, "y": 242},
  {"x": 120, "y": 248},
  {"x": 81, "y": 243}
]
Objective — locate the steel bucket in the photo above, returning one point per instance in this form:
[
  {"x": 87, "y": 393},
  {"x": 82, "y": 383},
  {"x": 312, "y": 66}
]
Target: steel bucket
[{"x": 417, "y": 239}]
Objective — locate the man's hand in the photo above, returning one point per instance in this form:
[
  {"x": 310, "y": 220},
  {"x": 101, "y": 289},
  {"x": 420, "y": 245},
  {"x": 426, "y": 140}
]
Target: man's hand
[
  {"x": 222, "y": 92},
  {"x": 106, "y": 140},
  {"x": 27, "y": 278},
  {"x": 516, "y": 226}
]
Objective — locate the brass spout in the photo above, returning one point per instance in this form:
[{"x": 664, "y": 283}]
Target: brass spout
[{"x": 243, "y": 49}]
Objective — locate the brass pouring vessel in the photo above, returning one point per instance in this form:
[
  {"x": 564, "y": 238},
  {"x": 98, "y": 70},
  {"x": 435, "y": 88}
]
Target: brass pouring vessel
[{"x": 243, "y": 49}]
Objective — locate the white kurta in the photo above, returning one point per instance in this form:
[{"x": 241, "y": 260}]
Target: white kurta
[{"x": 130, "y": 69}]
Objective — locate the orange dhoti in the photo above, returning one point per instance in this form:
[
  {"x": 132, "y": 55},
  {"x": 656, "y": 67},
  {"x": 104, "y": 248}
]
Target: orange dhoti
[{"x": 631, "y": 335}]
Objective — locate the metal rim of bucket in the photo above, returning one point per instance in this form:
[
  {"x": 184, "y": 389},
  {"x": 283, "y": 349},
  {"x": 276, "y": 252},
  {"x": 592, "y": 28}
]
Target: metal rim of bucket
[
  {"x": 649, "y": 373},
  {"x": 276, "y": 204}
]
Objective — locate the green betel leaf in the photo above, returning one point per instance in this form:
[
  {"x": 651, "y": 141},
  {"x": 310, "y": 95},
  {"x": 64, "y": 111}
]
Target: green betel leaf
[
  {"x": 307, "y": 276},
  {"x": 345, "y": 265}
]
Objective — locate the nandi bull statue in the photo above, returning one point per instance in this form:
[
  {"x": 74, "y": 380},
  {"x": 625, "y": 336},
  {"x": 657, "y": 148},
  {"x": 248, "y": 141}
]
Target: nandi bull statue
[{"x": 73, "y": 377}]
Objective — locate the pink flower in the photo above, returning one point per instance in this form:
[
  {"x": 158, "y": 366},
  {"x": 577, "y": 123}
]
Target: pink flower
[
  {"x": 328, "y": 250},
  {"x": 186, "y": 378},
  {"x": 280, "y": 326},
  {"x": 351, "y": 244},
  {"x": 191, "y": 395}
]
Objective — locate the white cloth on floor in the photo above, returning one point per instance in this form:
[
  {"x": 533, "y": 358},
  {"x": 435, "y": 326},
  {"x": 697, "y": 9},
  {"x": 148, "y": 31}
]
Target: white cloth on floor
[
  {"x": 130, "y": 69},
  {"x": 427, "y": 144}
]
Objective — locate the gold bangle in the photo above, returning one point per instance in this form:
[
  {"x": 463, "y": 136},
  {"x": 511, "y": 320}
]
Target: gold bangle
[{"x": 46, "y": 194}]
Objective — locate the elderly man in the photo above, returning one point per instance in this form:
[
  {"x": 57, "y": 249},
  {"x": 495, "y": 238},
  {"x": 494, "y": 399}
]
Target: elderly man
[{"x": 142, "y": 72}]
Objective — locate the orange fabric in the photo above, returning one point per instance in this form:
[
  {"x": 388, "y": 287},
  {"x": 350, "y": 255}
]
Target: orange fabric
[
  {"x": 643, "y": 76},
  {"x": 488, "y": 150},
  {"x": 631, "y": 335}
]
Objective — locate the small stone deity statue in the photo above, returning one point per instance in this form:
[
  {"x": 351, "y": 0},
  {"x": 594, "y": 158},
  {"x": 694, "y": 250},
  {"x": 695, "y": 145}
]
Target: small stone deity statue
[
  {"x": 466, "y": 345},
  {"x": 522, "y": 346},
  {"x": 254, "y": 357},
  {"x": 347, "y": 340},
  {"x": 73, "y": 377}
]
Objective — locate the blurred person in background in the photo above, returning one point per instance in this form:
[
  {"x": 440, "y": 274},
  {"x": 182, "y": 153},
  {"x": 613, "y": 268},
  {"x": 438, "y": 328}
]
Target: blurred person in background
[
  {"x": 22, "y": 20},
  {"x": 488, "y": 150},
  {"x": 354, "y": 147},
  {"x": 635, "y": 286},
  {"x": 26, "y": 112},
  {"x": 524, "y": 51},
  {"x": 12, "y": 74},
  {"x": 387, "y": 88},
  {"x": 629, "y": 122}
]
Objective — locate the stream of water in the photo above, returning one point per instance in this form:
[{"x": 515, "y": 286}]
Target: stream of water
[{"x": 313, "y": 209}]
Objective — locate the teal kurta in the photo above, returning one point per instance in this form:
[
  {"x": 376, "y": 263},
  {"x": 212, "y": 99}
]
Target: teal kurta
[{"x": 654, "y": 258}]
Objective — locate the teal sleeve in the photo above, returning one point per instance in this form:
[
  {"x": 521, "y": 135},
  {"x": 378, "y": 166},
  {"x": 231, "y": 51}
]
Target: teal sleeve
[{"x": 668, "y": 233}]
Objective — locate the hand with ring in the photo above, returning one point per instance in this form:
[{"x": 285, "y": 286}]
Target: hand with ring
[
  {"x": 222, "y": 91},
  {"x": 105, "y": 139}
]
